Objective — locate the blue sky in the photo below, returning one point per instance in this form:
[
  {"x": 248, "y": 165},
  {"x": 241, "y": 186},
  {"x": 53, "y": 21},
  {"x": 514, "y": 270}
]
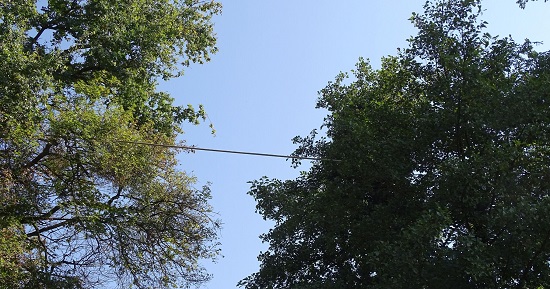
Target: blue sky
[{"x": 260, "y": 91}]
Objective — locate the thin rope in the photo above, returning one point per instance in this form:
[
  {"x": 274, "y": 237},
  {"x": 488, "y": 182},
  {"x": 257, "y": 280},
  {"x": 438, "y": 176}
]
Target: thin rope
[{"x": 226, "y": 151}]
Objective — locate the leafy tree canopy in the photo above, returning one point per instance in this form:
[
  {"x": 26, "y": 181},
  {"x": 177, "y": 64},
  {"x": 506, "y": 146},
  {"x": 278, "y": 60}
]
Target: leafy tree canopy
[
  {"x": 442, "y": 180},
  {"x": 79, "y": 203}
]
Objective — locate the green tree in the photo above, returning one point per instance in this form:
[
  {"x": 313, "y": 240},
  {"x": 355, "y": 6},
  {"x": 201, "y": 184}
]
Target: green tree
[
  {"x": 80, "y": 204},
  {"x": 436, "y": 170}
]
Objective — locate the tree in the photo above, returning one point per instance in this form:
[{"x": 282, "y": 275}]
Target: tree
[
  {"x": 434, "y": 174},
  {"x": 80, "y": 203}
]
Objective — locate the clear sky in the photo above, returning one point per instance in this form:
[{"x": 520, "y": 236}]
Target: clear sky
[{"x": 260, "y": 91}]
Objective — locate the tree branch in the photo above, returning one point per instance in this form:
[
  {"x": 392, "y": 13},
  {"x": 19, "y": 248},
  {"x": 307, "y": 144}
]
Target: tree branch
[
  {"x": 113, "y": 198},
  {"x": 34, "y": 40},
  {"x": 39, "y": 157},
  {"x": 45, "y": 216},
  {"x": 37, "y": 232}
]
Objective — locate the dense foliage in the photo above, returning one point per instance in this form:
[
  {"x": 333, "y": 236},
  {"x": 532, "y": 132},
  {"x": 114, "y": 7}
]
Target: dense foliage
[
  {"x": 80, "y": 204},
  {"x": 436, "y": 170}
]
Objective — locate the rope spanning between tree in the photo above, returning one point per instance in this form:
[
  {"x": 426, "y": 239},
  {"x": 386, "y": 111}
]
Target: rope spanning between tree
[{"x": 226, "y": 151}]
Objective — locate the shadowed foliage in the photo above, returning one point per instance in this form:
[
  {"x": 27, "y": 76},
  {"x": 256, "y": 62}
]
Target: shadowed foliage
[{"x": 444, "y": 174}]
